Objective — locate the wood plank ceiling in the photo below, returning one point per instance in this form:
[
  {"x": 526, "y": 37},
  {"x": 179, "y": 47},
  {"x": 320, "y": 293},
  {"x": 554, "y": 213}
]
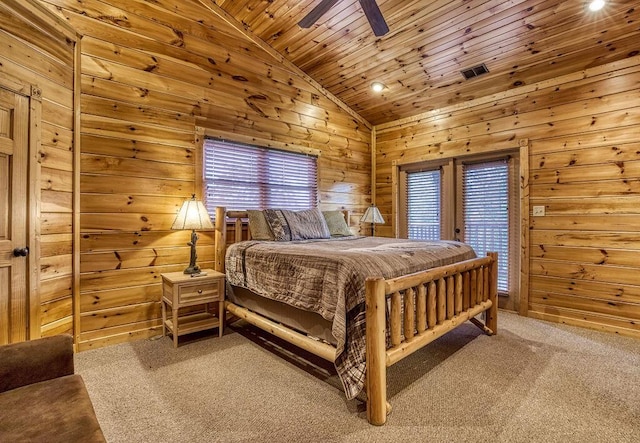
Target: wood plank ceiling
[{"x": 431, "y": 41}]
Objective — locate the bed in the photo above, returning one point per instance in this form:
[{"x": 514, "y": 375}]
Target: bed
[{"x": 365, "y": 307}]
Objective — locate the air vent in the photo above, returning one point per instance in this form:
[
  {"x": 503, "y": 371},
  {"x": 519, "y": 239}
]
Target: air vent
[{"x": 474, "y": 71}]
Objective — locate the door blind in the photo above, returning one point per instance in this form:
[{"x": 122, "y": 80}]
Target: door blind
[
  {"x": 485, "y": 197},
  {"x": 240, "y": 177},
  {"x": 423, "y": 205}
]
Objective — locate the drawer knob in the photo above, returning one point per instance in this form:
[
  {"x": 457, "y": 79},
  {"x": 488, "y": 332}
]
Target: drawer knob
[{"x": 199, "y": 291}]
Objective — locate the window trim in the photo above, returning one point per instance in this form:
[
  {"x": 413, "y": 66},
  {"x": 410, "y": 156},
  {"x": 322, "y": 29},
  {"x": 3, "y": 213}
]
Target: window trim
[
  {"x": 520, "y": 301},
  {"x": 203, "y": 133},
  {"x": 452, "y": 224}
]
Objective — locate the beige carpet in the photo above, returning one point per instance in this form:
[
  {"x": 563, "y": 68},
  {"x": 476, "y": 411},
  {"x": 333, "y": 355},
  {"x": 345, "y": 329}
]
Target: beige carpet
[{"x": 534, "y": 382}]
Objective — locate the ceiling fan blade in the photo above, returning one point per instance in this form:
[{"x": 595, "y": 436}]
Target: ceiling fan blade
[
  {"x": 316, "y": 13},
  {"x": 376, "y": 20}
]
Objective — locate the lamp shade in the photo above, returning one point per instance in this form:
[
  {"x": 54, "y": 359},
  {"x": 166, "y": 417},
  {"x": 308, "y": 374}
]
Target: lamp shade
[
  {"x": 372, "y": 215},
  {"x": 192, "y": 215}
]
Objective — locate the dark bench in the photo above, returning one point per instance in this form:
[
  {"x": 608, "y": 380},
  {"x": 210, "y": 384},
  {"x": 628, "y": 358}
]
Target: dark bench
[{"x": 41, "y": 398}]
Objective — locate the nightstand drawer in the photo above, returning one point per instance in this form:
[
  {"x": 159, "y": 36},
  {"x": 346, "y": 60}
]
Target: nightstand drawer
[{"x": 198, "y": 292}]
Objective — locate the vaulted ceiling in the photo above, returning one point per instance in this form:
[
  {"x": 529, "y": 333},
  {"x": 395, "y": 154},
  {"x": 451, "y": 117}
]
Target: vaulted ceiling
[{"x": 431, "y": 41}]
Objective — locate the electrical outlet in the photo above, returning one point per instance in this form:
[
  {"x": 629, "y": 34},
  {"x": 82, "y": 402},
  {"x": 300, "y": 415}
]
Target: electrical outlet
[{"x": 538, "y": 211}]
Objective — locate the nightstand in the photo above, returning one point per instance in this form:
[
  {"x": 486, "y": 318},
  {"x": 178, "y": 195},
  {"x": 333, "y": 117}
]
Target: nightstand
[{"x": 180, "y": 290}]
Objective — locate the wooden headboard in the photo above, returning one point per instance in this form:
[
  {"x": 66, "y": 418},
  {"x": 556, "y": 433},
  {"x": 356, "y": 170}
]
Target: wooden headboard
[{"x": 235, "y": 221}]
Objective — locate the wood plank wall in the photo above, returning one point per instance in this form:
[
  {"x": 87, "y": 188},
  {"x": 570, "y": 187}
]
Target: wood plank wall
[
  {"x": 584, "y": 160},
  {"x": 151, "y": 73},
  {"x": 33, "y": 54}
]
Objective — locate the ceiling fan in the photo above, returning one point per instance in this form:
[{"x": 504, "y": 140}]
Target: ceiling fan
[{"x": 370, "y": 8}]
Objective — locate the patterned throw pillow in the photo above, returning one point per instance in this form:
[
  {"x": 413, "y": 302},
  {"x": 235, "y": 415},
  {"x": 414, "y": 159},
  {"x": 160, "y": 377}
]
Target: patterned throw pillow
[
  {"x": 337, "y": 224},
  {"x": 278, "y": 224},
  {"x": 258, "y": 226}
]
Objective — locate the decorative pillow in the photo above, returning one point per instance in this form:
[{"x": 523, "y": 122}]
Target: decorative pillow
[
  {"x": 307, "y": 224},
  {"x": 258, "y": 226},
  {"x": 296, "y": 225},
  {"x": 337, "y": 224},
  {"x": 278, "y": 224}
]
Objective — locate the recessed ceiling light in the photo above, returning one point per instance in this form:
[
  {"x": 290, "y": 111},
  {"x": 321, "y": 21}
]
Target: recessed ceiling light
[
  {"x": 596, "y": 5},
  {"x": 377, "y": 86}
]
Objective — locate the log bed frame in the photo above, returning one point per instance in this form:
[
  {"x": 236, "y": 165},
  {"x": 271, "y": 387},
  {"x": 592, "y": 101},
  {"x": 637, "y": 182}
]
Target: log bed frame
[{"x": 422, "y": 307}]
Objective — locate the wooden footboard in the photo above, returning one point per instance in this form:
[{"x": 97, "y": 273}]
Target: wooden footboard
[
  {"x": 421, "y": 308},
  {"x": 403, "y": 314}
]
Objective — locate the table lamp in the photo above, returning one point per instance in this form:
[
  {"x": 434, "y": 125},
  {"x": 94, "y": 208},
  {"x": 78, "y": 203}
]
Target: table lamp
[
  {"x": 372, "y": 215},
  {"x": 192, "y": 215}
]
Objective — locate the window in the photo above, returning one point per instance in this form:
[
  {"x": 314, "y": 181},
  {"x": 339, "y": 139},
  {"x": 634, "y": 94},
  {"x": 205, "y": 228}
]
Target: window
[
  {"x": 485, "y": 212},
  {"x": 472, "y": 200},
  {"x": 423, "y": 205},
  {"x": 239, "y": 177}
]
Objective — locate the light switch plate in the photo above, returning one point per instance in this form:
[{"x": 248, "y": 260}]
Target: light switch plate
[{"x": 538, "y": 211}]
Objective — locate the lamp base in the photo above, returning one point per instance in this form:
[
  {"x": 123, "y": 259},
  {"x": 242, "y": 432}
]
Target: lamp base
[{"x": 192, "y": 270}]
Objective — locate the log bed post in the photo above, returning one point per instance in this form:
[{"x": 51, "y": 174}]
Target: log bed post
[
  {"x": 376, "y": 379},
  {"x": 491, "y": 319},
  {"x": 220, "y": 238}
]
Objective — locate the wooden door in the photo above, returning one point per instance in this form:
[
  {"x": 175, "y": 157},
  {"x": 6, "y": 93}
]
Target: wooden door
[{"x": 14, "y": 134}]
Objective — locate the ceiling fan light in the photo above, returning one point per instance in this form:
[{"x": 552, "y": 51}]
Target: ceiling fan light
[
  {"x": 596, "y": 5},
  {"x": 377, "y": 86}
]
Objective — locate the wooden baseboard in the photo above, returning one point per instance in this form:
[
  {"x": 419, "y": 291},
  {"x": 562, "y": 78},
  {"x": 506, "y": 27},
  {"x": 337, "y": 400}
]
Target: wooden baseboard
[
  {"x": 120, "y": 338},
  {"x": 584, "y": 323}
]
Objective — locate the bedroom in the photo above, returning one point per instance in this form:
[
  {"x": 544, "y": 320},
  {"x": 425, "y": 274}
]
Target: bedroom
[{"x": 155, "y": 78}]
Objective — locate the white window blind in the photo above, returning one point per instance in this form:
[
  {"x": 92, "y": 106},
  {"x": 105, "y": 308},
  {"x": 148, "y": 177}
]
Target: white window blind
[
  {"x": 423, "y": 205},
  {"x": 240, "y": 177},
  {"x": 485, "y": 198}
]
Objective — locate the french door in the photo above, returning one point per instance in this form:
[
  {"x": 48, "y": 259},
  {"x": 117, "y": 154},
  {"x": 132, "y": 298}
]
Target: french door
[{"x": 474, "y": 200}]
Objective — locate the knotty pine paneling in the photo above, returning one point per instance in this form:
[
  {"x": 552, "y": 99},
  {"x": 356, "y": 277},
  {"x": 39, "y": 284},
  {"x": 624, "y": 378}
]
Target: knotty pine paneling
[
  {"x": 33, "y": 55},
  {"x": 151, "y": 74},
  {"x": 584, "y": 163},
  {"x": 430, "y": 41}
]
